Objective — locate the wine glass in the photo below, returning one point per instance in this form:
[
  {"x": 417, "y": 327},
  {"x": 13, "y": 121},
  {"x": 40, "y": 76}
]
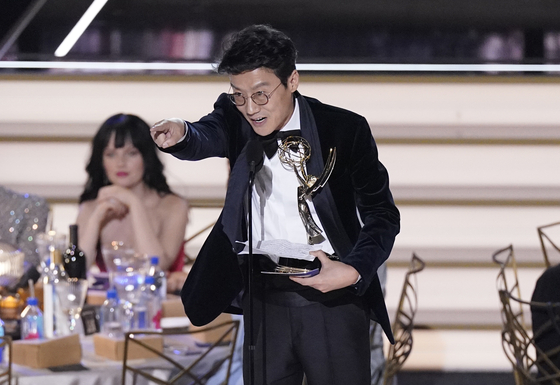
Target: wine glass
[
  {"x": 48, "y": 242},
  {"x": 128, "y": 285},
  {"x": 117, "y": 256},
  {"x": 72, "y": 296}
]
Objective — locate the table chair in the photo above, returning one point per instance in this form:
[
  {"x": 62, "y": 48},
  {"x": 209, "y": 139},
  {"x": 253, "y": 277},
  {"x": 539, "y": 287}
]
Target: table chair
[
  {"x": 404, "y": 322},
  {"x": 6, "y": 373},
  {"x": 507, "y": 277},
  {"x": 197, "y": 371},
  {"x": 531, "y": 362},
  {"x": 545, "y": 237}
]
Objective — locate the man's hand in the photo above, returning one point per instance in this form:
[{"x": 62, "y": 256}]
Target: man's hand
[
  {"x": 333, "y": 275},
  {"x": 167, "y": 132}
]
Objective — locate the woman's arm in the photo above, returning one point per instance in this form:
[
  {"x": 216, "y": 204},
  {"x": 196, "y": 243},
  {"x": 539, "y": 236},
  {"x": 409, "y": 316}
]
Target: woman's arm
[
  {"x": 176, "y": 214},
  {"x": 147, "y": 240},
  {"x": 92, "y": 216}
]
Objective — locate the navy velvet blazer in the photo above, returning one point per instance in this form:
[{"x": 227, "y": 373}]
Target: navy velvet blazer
[{"x": 356, "y": 207}]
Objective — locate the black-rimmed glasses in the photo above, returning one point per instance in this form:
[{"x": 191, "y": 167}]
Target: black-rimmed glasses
[{"x": 259, "y": 97}]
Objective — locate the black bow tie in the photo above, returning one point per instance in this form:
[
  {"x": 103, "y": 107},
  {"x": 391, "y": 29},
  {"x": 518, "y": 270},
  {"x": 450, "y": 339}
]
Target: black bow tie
[{"x": 270, "y": 142}]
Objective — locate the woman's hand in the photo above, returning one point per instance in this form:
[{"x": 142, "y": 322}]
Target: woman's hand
[
  {"x": 116, "y": 193},
  {"x": 108, "y": 209}
]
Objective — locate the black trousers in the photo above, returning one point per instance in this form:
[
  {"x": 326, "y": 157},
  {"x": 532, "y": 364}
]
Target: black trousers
[{"x": 299, "y": 331}]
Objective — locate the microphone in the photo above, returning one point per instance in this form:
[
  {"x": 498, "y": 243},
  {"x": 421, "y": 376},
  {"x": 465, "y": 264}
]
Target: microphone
[{"x": 255, "y": 158}]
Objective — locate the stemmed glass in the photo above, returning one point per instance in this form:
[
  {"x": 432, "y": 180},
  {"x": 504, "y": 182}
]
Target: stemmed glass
[
  {"x": 72, "y": 295},
  {"x": 47, "y": 243},
  {"x": 117, "y": 257}
]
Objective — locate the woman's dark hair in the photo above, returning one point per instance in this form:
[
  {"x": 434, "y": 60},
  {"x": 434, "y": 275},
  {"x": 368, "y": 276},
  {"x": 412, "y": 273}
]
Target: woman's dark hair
[
  {"x": 125, "y": 127},
  {"x": 259, "y": 46}
]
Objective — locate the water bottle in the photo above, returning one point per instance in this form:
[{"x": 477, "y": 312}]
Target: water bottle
[
  {"x": 147, "y": 312},
  {"x": 111, "y": 316},
  {"x": 160, "y": 279},
  {"x": 154, "y": 302},
  {"x": 127, "y": 315},
  {"x": 54, "y": 317},
  {"x": 31, "y": 321}
]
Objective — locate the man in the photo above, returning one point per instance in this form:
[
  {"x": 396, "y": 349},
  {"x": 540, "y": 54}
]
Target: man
[{"x": 319, "y": 325}]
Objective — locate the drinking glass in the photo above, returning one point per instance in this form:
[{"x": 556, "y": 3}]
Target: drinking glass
[
  {"x": 120, "y": 258},
  {"x": 117, "y": 255},
  {"x": 72, "y": 296},
  {"x": 128, "y": 285},
  {"x": 48, "y": 242}
]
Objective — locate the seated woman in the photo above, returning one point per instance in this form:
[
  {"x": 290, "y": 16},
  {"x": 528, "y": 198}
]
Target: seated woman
[{"x": 127, "y": 199}]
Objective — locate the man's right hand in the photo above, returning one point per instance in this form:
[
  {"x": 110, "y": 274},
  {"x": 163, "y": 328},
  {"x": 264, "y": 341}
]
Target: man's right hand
[{"x": 167, "y": 132}]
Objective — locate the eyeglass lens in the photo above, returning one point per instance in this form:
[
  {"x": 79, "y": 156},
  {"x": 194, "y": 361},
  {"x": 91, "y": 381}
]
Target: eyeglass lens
[{"x": 260, "y": 98}]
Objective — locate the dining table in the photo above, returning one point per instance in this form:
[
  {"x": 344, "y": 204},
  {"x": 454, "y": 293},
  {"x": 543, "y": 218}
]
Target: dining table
[{"x": 97, "y": 370}]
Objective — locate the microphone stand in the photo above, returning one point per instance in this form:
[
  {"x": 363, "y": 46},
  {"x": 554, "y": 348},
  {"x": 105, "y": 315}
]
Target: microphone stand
[{"x": 251, "y": 269}]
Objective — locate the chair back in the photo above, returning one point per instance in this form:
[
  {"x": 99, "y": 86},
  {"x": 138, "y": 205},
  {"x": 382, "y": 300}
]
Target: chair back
[
  {"x": 546, "y": 234},
  {"x": 531, "y": 362},
  {"x": 191, "y": 363},
  {"x": 6, "y": 373},
  {"x": 404, "y": 322},
  {"x": 507, "y": 279}
]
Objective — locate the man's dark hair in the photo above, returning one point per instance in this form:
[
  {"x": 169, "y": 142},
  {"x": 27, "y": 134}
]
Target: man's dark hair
[{"x": 259, "y": 46}]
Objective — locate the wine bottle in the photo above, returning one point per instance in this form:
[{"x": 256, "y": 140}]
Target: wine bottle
[{"x": 74, "y": 257}]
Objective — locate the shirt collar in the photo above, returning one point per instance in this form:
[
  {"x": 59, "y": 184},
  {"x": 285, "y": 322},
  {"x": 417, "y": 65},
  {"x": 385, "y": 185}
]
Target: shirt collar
[{"x": 294, "y": 122}]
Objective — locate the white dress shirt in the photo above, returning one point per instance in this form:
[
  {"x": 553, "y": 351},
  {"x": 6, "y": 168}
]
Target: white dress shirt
[{"x": 274, "y": 203}]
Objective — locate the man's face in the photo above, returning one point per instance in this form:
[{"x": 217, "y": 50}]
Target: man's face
[{"x": 277, "y": 112}]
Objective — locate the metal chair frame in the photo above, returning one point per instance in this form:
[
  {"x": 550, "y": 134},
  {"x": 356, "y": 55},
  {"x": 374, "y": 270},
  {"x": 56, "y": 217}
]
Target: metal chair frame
[
  {"x": 404, "y": 322},
  {"x": 543, "y": 238},
  {"x": 6, "y": 374},
  {"x": 227, "y": 336},
  {"x": 531, "y": 365}
]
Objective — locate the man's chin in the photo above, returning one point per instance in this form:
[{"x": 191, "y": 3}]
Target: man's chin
[{"x": 262, "y": 131}]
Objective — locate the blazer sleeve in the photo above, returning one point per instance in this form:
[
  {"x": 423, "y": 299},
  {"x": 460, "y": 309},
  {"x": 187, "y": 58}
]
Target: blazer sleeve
[
  {"x": 378, "y": 214},
  {"x": 206, "y": 138}
]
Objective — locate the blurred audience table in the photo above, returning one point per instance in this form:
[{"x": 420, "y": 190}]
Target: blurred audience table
[{"x": 97, "y": 370}]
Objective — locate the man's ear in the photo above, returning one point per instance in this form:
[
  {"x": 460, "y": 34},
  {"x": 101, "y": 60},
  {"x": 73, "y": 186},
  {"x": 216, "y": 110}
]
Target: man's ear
[{"x": 293, "y": 81}]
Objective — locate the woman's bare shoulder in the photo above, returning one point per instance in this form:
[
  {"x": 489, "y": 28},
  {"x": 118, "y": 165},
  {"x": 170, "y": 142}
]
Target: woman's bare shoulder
[
  {"x": 172, "y": 202},
  {"x": 87, "y": 206}
]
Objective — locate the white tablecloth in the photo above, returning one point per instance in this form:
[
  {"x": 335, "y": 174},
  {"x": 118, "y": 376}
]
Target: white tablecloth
[{"x": 103, "y": 371}]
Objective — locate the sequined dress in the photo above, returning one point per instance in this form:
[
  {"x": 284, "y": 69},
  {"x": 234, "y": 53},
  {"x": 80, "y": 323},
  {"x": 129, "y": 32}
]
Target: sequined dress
[{"x": 22, "y": 217}]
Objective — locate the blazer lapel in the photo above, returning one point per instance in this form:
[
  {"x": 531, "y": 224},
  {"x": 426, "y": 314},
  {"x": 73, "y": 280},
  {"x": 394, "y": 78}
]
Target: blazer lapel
[
  {"x": 323, "y": 199},
  {"x": 233, "y": 218}
]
